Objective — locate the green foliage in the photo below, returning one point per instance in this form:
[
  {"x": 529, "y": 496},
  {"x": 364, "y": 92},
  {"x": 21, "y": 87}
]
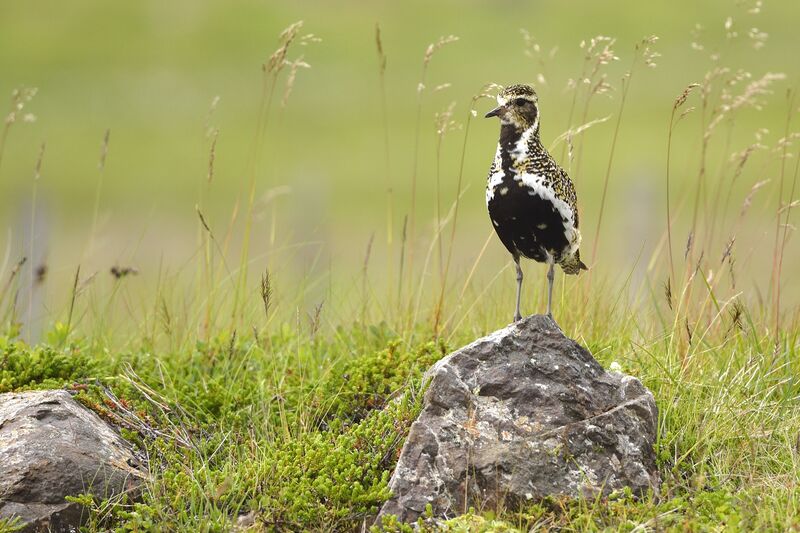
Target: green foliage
[
  {"x": 329, "y": 480},
  {"x": 333, "y": 480},
  {"x": 365, "y": 383},
  {"x": 10, "y": 526},
  {"x": 41, "y": 367},
  {"x": 304, "y": 433},
  {"x": 677, "y": 510},
  {"x": 245, "y": 456}
]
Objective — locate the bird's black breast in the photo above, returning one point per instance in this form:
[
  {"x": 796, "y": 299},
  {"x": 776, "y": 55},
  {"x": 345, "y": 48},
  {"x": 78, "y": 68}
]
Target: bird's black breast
[{"x": 526, "y": 223}]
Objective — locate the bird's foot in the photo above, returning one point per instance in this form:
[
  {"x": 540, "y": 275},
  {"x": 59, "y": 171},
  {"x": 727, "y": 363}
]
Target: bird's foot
[{"x": 517, "y": 317}]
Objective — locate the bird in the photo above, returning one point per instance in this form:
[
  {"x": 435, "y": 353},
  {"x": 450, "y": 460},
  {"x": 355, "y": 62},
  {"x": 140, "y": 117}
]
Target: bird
[{"x": 531, "y": 200}]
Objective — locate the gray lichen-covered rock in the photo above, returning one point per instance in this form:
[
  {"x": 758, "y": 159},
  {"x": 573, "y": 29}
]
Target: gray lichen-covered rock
[
  {"x": 52, "y": 447},
  {"x": 518, "y": 415}
]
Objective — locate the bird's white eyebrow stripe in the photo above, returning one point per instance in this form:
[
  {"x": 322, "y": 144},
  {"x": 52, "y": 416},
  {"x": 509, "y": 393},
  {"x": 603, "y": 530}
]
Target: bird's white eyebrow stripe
[{"x": 501, "y": 100}]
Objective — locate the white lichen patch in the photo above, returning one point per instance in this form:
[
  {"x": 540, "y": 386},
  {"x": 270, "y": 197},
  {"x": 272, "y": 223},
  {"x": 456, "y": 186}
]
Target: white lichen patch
[
  {"x": 553, "y": 445},
  {"x": 627, "y": 447}
]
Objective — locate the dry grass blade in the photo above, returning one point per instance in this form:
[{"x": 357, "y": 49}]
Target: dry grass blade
[
  {"x": 668, "y": 292},
  {"x": 294, "y": 66},
  {"x": 436, "y": 46},
  {"x": 212, "y": 155},
  {"x": 170, "y": 413},
  {"x": 379, "y": 47},
  {"x": 101, "y": 164},
  {"x": 315, "y": 320},
  {"x": 130, "y": 420},
  {"x": 12, "y": 275},
  {"x": 19, "y": 99},
  {"x": 574, "y": 132},
  {"x": 365, "y": 279},
  {"x": 748, "y": 200},
  {"x": 430, "y": 51},
  {"x": 643, "y": 49},
  {"x": 681, "y": 99},
  {"x": 266, "y": 292},
  {"x": 73, "y": 298}
]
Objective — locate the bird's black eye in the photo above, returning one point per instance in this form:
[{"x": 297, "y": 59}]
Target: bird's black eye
[{"x": 520, "y": 102}]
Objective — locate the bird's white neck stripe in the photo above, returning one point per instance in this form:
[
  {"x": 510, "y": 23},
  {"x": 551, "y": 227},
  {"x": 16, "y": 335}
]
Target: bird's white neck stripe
[{"x": 522, "y": 146}]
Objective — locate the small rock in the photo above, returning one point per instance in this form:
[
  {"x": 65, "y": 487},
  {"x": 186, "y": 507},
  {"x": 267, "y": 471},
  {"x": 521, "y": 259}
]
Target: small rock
[
  {"x": 246, "y": 521},
  {"x": 519, "y": 415},
  {"x": 51, "y": 447}
]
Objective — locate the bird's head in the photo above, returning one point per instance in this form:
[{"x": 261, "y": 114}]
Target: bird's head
[{"x": 518, "y": 106}]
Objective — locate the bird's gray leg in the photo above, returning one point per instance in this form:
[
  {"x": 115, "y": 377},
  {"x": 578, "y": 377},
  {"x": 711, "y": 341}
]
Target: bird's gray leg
[
  {"x": 550, "y": 276},
  {"x": 517, "y": 315}
]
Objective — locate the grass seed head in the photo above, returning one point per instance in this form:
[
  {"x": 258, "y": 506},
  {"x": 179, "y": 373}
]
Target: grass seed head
[
  {"x": 379, "y": 47},
  {"x": 438, "y": 45},
  {"x": 277, "y": 60},
  {"x": 19, "y": 99}
]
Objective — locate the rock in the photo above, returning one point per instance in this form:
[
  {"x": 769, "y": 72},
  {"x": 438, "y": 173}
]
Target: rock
[
  {"x": 518, "y": 415},
  {"x": 52, "y": 447}
]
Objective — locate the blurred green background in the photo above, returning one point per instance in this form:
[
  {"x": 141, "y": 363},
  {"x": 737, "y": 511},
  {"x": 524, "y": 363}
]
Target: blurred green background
[{"x": 149, "y": 71}]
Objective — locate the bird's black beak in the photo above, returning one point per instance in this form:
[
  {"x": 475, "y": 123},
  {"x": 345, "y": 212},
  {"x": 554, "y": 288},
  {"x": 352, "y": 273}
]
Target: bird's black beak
[{"x": 494, "y": 112}]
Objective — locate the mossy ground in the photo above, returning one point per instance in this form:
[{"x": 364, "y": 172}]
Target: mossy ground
[{"x": 289, "y": 433}]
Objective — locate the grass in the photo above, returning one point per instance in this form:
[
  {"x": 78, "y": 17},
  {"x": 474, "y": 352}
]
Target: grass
[
  {"x": 290, "y": 429},
  {"x": 280, "y": 401}
]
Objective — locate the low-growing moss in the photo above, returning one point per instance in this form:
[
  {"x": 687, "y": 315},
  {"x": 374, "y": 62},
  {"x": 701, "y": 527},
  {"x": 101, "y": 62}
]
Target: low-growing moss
[
  {"x": 41, "y": 367},
  {"x": 332, "y": 480},
  {"x": 367, "y": 382},
  {"x": 680, "y": 509},
  {"x": 331, "y": 476},
  {"x": 303, "y": 434},
  {"x": 335, "y": 479}
]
